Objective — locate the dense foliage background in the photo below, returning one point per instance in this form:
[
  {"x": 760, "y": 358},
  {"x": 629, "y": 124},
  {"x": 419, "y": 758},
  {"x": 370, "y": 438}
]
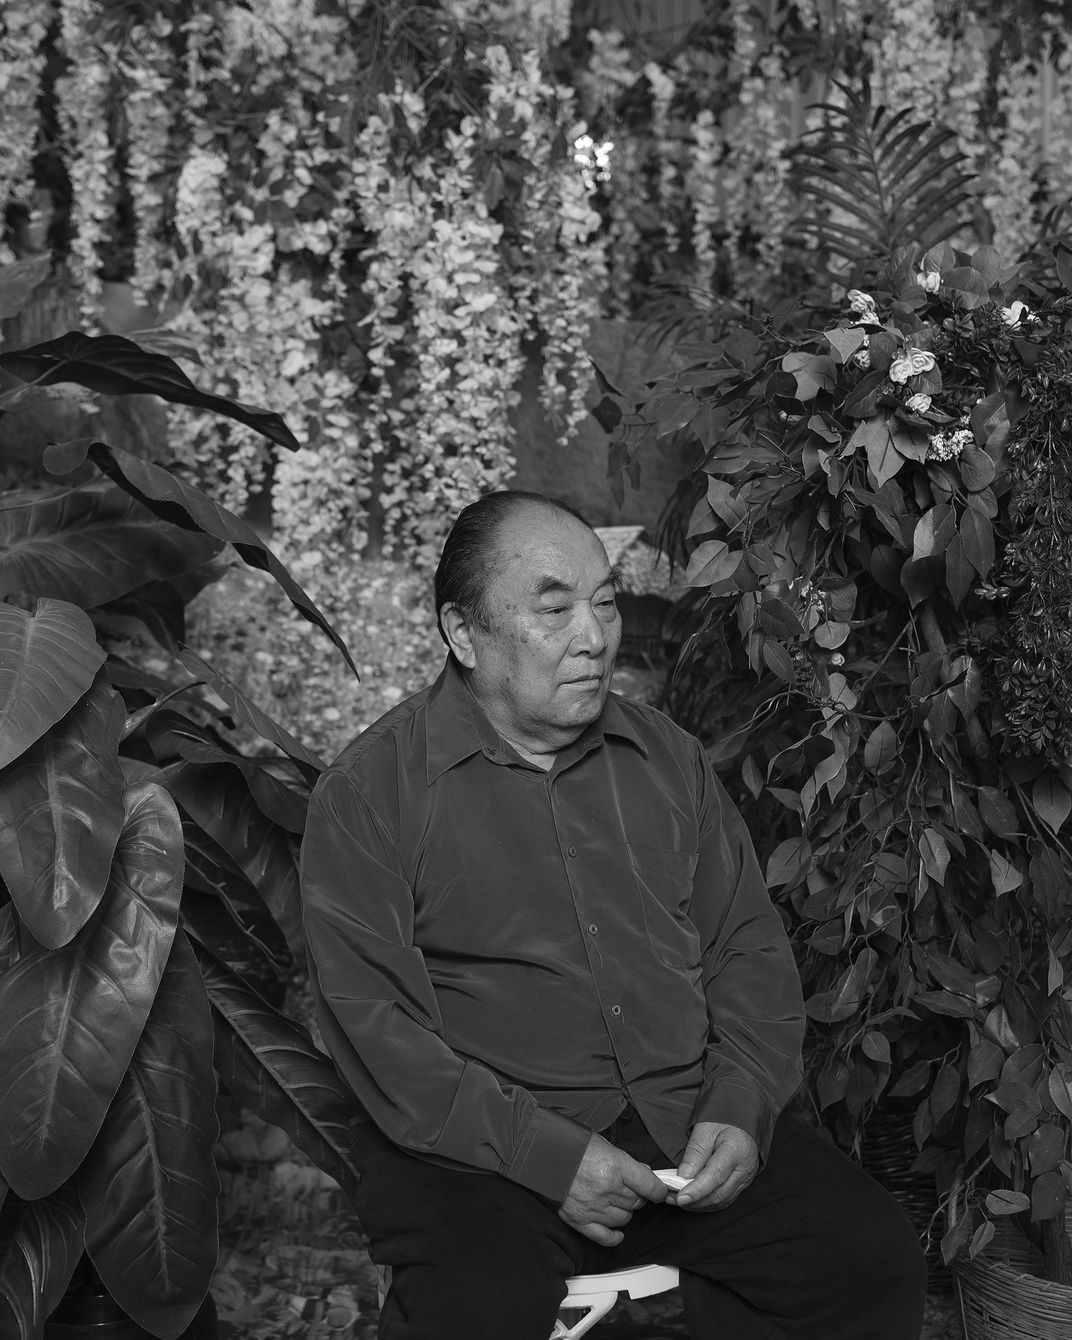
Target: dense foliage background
[{"x": 398, "y": 226}]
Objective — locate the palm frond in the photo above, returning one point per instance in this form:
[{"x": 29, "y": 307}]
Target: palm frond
[{"x": 874, "y": 180}]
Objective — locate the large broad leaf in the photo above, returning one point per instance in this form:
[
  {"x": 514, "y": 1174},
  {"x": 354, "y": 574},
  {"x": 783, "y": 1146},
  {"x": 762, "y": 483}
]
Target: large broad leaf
[
  {"x": 149, "y": 1184},
  {"x": 61, "y": 813},
  {"x": 218, "y": 799},
  {"x": 173, "y": 736},
  {"x": 272, "y": 1066},
  {"x": 181, "y": 504},
  {"x": 47, "y": 661},
  {"x": 38, "y": 1260},
  {"x": 251, "y": 715},
  {"x": 248, "y": 938},
  {"x": 115, "y": 365},
  {"x": 92, "y": 545},
  {"x": 71, "y": 1018}
]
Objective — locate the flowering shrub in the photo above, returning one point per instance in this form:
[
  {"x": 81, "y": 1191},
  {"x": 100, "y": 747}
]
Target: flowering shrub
[{"x": 881, "y": 561}]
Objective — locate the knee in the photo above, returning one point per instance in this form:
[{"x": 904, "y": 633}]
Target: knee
[{"x": 471, "y": 1299}]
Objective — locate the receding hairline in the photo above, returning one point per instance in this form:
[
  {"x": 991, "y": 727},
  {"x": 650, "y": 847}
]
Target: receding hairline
[{"x": 499, "y": 558}]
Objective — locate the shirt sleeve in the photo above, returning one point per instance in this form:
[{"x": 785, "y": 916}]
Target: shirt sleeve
[
  {"x": 381, "y": 1023},
  {"x": 752, "y": 1065}
]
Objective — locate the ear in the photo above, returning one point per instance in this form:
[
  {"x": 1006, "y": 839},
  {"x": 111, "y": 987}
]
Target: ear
[{"x": 457, "y": 631}]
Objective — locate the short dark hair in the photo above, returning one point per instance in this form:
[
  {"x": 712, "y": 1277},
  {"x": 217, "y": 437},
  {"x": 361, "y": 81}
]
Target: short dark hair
[{"x": 471, "y": 560}]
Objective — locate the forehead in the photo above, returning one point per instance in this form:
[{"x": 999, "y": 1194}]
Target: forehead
[{"x": 543, "y": 550}]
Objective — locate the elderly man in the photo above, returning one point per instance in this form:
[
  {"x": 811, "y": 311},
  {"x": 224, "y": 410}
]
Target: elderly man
[{"x": 545, "y": 961}]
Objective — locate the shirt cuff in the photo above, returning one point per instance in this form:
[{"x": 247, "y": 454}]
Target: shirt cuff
[
  {"x": 550, "y": 1155},
  {"x": 734, "y": 1105}
]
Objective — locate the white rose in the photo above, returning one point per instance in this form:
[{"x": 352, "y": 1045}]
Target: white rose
[
  {"x": 1017, "y": 313},
  {"x": 909, "y": 363},
  {"x": 930, "y": 281},
  {"x": 918, "y": 403}
]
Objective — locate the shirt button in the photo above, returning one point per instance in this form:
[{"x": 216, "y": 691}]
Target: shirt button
[
  {"x": 571, "y": 851},
  {"x": 615, "y": 1009},
  {"x": 593, "y": 929}
]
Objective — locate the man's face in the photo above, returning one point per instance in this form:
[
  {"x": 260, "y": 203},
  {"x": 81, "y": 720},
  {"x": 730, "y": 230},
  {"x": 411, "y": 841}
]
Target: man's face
[{"x": 542, "y": 670}]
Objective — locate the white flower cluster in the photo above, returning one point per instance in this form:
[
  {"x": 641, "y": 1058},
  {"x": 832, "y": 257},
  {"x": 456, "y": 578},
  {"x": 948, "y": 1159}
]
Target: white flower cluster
[
  {"x": 149, "y": 77},
  {"x": 948, "y": 445},
  {"x": 703, "y": 188},
  {"x": 82, "y": 97},
  {"x": 23, "y": 29}
]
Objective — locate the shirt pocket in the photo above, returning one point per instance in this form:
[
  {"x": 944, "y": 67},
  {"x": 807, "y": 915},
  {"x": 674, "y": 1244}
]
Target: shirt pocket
[{"x": 663, "y": 881}]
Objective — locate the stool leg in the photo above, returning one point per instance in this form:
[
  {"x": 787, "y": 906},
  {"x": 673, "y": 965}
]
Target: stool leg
[{"x": 597, "y": 1305}]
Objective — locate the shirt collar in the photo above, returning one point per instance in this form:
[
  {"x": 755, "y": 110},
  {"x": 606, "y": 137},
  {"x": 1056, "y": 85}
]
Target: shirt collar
[{"x": 457, "y": 728}]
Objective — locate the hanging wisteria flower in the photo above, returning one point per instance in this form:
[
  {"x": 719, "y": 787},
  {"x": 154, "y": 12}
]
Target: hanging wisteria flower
[
  {"x": 910, "y": 362},
  {"x": 918, "y": 403}
]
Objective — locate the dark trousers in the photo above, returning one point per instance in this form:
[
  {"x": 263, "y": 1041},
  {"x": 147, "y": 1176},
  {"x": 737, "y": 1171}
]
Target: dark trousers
[{"x": 814, "y": 1249}]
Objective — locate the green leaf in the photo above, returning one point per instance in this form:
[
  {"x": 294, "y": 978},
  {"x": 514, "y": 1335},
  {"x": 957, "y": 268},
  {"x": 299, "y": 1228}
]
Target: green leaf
[
  {"x": 977, "y": 469},
  {"x": 218, "y": 800},
  {"x": 183, "y": 505},
  {"x": 959, "y": 573},
  {"x": 830, "y": 634},
  {"x": 61, "y": 813},
  {"x": 935, "y": 528},
  {"x": 984, "y": 1062},
  {"x": 982, "y": 1238},
  {"x": 92, "y": 545},
  {"x": 149, "y": 1183},
  {"x": 1051, "y": 886},
  {"x": 1003, "y": 873},
  {"x": 272, "y": 1066},
  {"x": 977, "y": 541},
  {"x": 830, "y": 1007},
  {"x": 862, "y": 401},
  {"x": 1051, "y": 800},
  {"x": 71, "y": 1018},
  {"x": 789, "y": 862},
  {"x": 934, "y": 853},
  {"x": 1048, "y": 1196},
  {"x": 998, "y": 811},
  {"x": 778, "y": 660},
  {"x": 813, "y": 373},
  {"x": 250, "y": 715},
  {"x": 877, "y": 1047},
  {"x": 38, "y": 1257},
  {"x": 710, "y": 562},
  {"x": 1063, "y": 256},
  {"x": 778, "y": 618},
  {"x": 114, "y": 365},
  {"x": 883, "y": 458},
  {"x": 18, "y": 280},
  {"x": 47, "y": 661},
  {"x": 1046, "y": 1147},
  {"x": 1007, "y": 1202},
  {"x": 881, "y": 749}
]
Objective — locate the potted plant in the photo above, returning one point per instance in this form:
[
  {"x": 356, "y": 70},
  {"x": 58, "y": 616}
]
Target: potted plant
[
  {"x": 134, "y": 813},
  {"x": 881, "y": 580}
]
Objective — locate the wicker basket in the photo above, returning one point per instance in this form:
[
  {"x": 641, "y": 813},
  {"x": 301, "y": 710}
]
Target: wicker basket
[{"x": 1003, "y": 1298}]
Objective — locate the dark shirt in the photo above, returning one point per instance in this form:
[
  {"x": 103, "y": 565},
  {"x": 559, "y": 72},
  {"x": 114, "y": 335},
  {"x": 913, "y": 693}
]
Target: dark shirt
[{"x": 504, "y": 957}]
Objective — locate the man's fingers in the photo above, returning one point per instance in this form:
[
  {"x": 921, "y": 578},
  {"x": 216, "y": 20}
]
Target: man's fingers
[
  {"x": 724, "y": 1194},
  {"x": 639, "y": 1178},
  {"x": 697, "y": 1152},
  {"x": 606, "y": 1237}
]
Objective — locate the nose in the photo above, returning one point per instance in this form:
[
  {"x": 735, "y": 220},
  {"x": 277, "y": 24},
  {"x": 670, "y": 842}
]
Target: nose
[{"x": 590, "y": 633}]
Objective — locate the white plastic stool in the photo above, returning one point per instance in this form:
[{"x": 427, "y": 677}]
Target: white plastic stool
[
  {"x": 594, "y": 1294},
  {"x": 597, "y": 1294}
]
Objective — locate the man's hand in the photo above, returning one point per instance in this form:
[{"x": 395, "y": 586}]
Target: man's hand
[
  {"x": 607, "y": 1188},
  {"x": 721, "y": 1161}
]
